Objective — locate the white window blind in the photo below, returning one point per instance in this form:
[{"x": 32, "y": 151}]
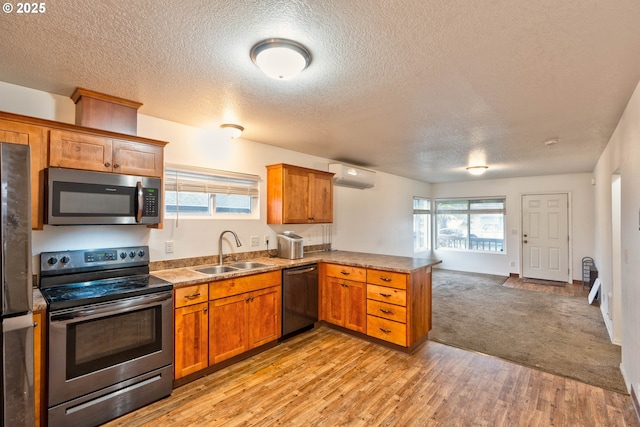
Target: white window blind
[{"x": 192, "y": 179}]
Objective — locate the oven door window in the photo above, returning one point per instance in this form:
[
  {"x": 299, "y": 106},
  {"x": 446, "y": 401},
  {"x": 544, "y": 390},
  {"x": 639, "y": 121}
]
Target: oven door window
[
  {"x": 77, "y": 199},
  {"x": 108, "y": 341}
]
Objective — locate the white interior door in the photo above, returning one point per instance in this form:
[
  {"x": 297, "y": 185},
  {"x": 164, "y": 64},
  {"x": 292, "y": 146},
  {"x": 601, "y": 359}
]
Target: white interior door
[{"x": 545, "y": 237}]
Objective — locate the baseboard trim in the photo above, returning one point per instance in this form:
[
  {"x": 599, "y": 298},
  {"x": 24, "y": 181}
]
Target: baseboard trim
[{"x": 516, "y": 275}]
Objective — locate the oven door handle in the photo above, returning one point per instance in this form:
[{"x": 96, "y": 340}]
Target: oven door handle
[{"x": 118, "y": 307}]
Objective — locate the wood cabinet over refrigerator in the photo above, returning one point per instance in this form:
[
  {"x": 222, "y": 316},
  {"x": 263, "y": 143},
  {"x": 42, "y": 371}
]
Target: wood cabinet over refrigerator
[{"x": 297, "y": 195}]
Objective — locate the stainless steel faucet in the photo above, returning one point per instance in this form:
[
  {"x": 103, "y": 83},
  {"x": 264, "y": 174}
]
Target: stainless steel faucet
[{"x": 238, "y": 243}]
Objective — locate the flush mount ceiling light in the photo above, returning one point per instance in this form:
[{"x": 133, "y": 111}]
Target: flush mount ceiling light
[
  {"x": 232, "y": 131},
  {"x": 477, "y": 170},
  {"x": 280, "y": 58}
]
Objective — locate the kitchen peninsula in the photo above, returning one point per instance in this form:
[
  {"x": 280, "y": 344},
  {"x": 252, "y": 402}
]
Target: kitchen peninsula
[{"x": 382, "y": 298}]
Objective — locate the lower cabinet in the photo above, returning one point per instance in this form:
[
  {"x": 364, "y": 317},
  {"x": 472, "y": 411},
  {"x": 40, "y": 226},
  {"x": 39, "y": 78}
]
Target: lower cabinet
[
  {"x": 344, "y": 300},
  {"x": 218, "y": 320},
  {"x": 241, "y": 322},
  {"x": 39, "y": 365},
  {"x": 388, "y": 305},
  {"x": 191, "y": 326}
]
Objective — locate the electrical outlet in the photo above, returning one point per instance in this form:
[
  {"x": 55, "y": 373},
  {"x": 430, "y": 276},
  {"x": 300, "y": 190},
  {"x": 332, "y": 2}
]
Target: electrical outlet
[
  {"x": 266, "y": 239},
  {"x": 255, "y": 241},
  {"x": 168, "y": 246}
]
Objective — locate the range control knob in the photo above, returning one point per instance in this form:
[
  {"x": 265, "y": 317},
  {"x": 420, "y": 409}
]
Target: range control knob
[
  {"x": 132, "y": 254},
  {"x": 65, "y": 259},
  {"x": 123, "y": 255},
  {"x": 140, "y": 253},
  {"x": 52, "y": 260}
]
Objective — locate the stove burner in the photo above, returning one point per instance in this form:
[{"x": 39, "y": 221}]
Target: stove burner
[{"x": 96, "y": 291}]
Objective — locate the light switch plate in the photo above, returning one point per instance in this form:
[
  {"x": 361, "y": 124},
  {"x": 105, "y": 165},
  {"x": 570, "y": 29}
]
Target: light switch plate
[{"x": 255, "y": 241}]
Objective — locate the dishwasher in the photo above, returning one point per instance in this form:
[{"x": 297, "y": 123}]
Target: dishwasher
[{"x": 299, "y": 299}]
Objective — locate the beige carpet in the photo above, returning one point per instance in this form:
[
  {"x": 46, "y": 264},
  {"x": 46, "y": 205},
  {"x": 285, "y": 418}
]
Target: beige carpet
[{"x": 554, "y": 333}]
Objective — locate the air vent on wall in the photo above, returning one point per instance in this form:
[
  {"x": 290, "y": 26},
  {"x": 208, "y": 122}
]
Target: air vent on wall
[{"x": 352, "y": 176}]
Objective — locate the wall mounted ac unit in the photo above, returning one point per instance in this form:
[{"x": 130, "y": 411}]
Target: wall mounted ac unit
[{"x": 352, "y": 176}]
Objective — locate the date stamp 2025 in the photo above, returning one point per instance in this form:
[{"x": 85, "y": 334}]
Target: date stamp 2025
[{"x": 24, "y": 8}]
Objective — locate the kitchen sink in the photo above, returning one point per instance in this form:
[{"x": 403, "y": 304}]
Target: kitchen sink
[
  {"x": 250, "y": 264},
  {"x": 217, "y": 269}
]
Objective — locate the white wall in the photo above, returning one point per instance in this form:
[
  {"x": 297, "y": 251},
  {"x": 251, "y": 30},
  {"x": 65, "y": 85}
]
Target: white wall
[
  {"x": 622, "y": 155},
  {"x": 378, "y": 220},
  {"x": 581, "y": 194}
]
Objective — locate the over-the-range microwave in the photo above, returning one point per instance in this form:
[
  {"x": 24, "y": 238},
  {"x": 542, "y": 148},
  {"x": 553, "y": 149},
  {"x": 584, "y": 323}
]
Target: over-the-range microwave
[{"x": 76, "y": 197}]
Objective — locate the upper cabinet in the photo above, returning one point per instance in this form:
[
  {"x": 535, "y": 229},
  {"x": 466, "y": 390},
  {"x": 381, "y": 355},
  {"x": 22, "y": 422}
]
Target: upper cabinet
[
  {"x": 63, "y": 145},
  {"x": 32, "y": 135},
  {"x": 78, "y": 150},
  {"x": 297, "y": 195}
]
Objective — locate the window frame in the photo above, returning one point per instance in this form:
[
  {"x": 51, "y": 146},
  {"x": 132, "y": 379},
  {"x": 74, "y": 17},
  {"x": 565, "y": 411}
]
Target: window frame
[
  {"x": 467, "y": 237},
  {"x": 428, "y": 227},
  {"x": 180, "y": 179}
]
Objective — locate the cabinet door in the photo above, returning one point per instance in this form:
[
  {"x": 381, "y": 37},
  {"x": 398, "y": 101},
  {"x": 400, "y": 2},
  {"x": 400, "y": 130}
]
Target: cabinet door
[
  {"x": 135, "y": 158},
  {"x": 295, "y": 204},
  {"x": 334, "y": 301},
  {"x": 228, "y": 329},
  {"x": 265, "y": 308},
  {"x": 190, "y": 349},
  {"x": 39, "y": 364},
  {"x": 355, "y": 317},
  {"x": 32, "y": 135},
  {"x": 77, "y": 150},
  {"x": 320, "y": 198}
]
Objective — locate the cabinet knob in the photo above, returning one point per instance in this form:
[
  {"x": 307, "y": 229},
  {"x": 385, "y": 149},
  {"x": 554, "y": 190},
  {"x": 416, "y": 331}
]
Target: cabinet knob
[
  {"x": 117, "y": 165},
  {"x": 108, "y": 164},
  {"x": 205, "y": 309}
]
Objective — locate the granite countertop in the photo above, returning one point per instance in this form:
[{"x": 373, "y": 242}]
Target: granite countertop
[
  {"x": 184, "y": 276},
  {"x": 39, "y": 304}
]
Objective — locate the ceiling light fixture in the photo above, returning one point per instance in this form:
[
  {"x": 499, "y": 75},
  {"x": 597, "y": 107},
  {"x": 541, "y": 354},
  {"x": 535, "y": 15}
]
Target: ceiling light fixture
[
  {"x": 280, "y": 58},
  {"x": 232, "y": 131},
  {"x": 477, "y": 170}
]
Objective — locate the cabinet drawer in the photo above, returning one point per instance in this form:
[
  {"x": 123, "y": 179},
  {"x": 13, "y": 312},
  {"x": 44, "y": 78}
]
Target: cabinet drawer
[
  {"x": 239, "y": 285},
  {"x": 191, "y": 295},
  {"x": 346, "y": 272},
  {"x": 387, "y": 330},
  {"x": 388, "y": 311},
  {"x": 387, "y": 278},
  {"x": 385, "y": 294}
]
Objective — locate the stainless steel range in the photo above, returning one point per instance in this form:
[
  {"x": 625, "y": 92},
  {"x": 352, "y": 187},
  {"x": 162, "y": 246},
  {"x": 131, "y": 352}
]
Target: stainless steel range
[{"x": 110, "y": 334}]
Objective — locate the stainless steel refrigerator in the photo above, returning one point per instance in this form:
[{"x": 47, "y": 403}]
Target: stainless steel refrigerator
[{"x": 16, "y": 286}]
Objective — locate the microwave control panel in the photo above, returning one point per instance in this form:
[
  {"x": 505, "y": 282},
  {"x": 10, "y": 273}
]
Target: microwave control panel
[{"x": 151, "y": 202}]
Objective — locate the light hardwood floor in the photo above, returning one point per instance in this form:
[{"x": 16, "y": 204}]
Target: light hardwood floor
[{"x": 326, "y": 378}]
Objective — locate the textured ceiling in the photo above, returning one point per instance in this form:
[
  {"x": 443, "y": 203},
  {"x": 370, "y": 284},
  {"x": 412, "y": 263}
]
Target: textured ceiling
[{"x": 420, "y": 88}]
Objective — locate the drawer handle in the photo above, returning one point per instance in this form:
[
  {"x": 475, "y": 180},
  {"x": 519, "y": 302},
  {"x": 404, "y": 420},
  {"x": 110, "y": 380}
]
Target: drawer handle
[
  {"x": 346, "y": 273},
  {"x": 386, "y": 311},
  {"x": 386, "y": 331},
  {"x": 385, "y": 295},
  {"x": 344, "y": 285},
  {"x": 192, "y": 296},
  {"x": 385, "y": 279}
]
